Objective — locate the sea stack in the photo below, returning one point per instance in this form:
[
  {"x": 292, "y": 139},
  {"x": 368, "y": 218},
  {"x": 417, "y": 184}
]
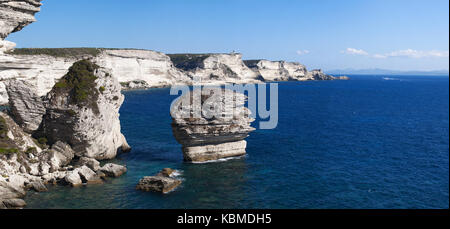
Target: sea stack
[
  {"x": 83, "y": 110},
  {"x": 214, "y": 132}
]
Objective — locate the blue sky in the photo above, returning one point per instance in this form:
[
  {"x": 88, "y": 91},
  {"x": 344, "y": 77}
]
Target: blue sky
[{"x": 327, "y": 34}]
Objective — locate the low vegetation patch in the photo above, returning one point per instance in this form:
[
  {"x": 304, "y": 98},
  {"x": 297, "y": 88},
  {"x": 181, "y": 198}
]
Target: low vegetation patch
[
  {"x": 188, "y": 62},
  {"x": 7, "y": 151},
  {"x": 58, "y": 52},
  {"x": 79, "y": 84},
  {"x": 7, "y": 146},
  {"x": 3, "y": 128}
]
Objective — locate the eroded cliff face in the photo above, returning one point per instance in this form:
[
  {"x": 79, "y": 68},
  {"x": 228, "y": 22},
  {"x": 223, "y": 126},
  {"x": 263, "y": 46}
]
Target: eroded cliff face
[
  {"x": 152, "y": 69},
  {"x": 285, "y": 71},
  {"x": 82, "y": 110},
  {"x": 134, "y": 69},
  {"x": 16, "y": 14},
  {"x": 215, "y": 68}
]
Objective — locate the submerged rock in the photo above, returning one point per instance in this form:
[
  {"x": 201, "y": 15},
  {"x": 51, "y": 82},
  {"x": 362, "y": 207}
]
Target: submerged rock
[{"x": 211, "y": 134}]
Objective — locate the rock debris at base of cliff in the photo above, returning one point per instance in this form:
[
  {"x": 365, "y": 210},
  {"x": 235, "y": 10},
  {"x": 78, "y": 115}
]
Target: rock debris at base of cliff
[{"x": 58, "y": 138}]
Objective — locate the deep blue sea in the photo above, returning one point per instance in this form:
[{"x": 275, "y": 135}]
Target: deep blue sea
[{"x": 370, "y": 142}]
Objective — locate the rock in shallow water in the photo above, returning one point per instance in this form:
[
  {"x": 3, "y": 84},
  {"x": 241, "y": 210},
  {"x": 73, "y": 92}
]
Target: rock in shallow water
[
  {"x": 158, "y": 184},
  {"x": 14, "y": 203},
  {"x": 88, "y": 176},
  {"x": 38, "y": 186},
  {"x": 162, "y": 182},
  {"x": 73, "y": 178},
  {"x": 113, "y": 170},
  {"x": 214, "y": 133}
]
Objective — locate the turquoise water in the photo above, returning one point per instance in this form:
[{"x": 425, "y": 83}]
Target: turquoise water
[{"x": 365, "y": 143}]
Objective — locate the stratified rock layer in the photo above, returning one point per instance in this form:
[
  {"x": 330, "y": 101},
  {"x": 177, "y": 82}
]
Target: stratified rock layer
[
  {"x": 286, "y": 71},
  {"x": 215, "y": 133},
  {"x": 16, "y": 14},
  {"x": 26, "y": 107}
]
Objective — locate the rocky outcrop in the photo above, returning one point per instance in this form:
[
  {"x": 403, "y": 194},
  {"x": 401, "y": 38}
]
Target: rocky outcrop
[
  {"x": 163, "y": 182},
  {"x": 16, "y": 14},
  {"x": 286, "y": 71},
  {"x": 278, "y": 70},
  {"x": 26, "y": 107},
  {"x": 318, "y": 74},
  {"x": 83, "y": 110},
  {"x": 215, "y": 68},
  {"x": 213, "y": 134}
]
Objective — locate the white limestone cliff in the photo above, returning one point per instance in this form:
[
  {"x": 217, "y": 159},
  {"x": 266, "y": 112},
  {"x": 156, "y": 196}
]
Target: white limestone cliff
[
  {"x": 286, "y": 71},
  {"x": 223, "y": 69},
  {"x": 153, "y": 68}
]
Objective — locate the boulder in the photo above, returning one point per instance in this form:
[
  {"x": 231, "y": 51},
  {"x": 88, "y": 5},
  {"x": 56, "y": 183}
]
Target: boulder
[
  {"x": 38, "y": 186},
  {"x": 166, "y": 172},
  {"x": 14, "y": 203},
  {"x": 113, "y": 170},
  {"x": 89, "y": 162},
  {"x": 158, "y": 184},
  {"x": 73, "y": 178},
  {"x": 60, "y": 155},
  {"x": 88, "y": 176},
  {"x": 163, "y": 182}
]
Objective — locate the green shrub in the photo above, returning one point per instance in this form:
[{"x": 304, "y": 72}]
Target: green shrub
[
  {"x": 102, "y": 89},
  {"x": 80, "y": 84},
  {"x": 31, "y": 150},
  {"x": 58, "y": 52},
  {"x": 188, "y": 61},
  {"x": 7, "y": 151},
  {"x": 43, "y": 140},
  {"x": 3, "y": 128}
]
